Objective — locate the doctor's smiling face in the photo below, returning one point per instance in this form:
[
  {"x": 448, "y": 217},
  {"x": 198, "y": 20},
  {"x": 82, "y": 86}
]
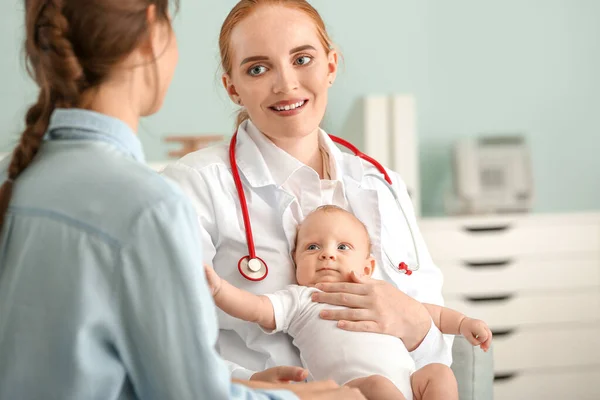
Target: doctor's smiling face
[
  {"x": 279, "y": 65},
  {"x": 331, "y": 243}
]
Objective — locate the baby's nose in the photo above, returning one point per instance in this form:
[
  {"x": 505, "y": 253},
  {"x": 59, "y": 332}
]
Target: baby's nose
[{"x": 326, "y": 255}]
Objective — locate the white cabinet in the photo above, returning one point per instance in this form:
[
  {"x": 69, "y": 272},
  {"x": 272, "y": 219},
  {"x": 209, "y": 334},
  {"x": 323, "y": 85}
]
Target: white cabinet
[{"x": 535, "y": 279}]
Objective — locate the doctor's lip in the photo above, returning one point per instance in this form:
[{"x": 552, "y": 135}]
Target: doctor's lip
[
  {"x": 289, "y": 102},
  {"x": 286, "y": 108}
]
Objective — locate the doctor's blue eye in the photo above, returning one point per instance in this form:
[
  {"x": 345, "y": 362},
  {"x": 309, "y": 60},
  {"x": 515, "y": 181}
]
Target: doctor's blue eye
[
  {"x": 312, "y": 247},
  {"x": 303, "y": 60},
  {"x": 257, "y": 70},
  {"x": 343, "y": 246}
]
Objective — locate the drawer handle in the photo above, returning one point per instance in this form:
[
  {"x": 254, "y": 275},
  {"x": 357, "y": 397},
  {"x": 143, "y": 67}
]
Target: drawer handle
[
  {"x": 484, "y": 299},
  {"x": 502, "y": 332},
  {"x": 486, "y": 229},
  {"x": 488, "y": 264},
  {"x": 505, "y": 377}
]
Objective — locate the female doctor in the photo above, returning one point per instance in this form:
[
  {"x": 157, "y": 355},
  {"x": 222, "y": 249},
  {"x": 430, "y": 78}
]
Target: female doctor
[{"x": 279, "y": 64}]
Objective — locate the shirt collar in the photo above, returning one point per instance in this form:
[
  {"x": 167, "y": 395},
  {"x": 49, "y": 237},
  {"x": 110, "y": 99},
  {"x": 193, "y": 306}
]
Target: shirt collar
[
  {"x": 79, "y": 124},
  {"x": 283, "y": 165},
  {"x": 255, "y": 153}
]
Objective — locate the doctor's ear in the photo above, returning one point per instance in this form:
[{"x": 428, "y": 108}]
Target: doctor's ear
[
  {"x": 332, "y": 63},
  {"x": 231, "y": 92}
]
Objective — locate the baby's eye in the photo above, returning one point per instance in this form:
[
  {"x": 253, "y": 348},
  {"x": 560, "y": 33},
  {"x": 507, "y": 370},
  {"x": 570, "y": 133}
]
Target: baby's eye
[
  {"x": 303, "y": 60},
  {"x": 257, "y": 70},
  {"x": 343, "y": 246},
  {"x": 312, "y": 247}
]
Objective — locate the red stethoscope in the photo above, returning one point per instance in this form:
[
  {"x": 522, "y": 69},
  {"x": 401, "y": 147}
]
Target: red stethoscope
[{"x": 255, "y": 268}]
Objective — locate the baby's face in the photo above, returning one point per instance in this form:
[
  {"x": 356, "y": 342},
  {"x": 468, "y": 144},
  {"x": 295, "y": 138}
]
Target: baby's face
[{"x": 330, "y": 245}]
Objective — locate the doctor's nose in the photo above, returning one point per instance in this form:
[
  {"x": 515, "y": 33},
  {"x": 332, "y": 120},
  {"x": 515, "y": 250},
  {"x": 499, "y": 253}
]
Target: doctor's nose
[{"x": 285, "y": 82}]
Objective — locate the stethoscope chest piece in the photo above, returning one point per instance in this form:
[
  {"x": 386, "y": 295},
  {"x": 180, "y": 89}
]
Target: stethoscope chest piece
[{"x": 253, "y": 269}]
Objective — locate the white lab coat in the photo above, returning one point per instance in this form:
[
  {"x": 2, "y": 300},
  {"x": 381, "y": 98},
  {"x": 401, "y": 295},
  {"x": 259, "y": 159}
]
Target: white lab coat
[{"x": 205, "y": 176}]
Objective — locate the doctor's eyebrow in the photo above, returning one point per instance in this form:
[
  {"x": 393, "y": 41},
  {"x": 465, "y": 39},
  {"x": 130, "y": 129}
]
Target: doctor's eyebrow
[{"x": 265, "y": 58}]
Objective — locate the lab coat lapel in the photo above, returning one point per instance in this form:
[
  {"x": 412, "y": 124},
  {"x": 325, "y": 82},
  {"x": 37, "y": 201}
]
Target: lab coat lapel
[
  {"x": 289, "y": 210},
  {"x": 258, "y": 176},
  {"x": 364, "y": 203}
]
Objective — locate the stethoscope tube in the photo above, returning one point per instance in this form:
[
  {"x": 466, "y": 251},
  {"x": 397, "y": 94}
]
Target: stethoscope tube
[
  {"x": 362, "y": 155},
  {"x": 251, "y": 267}
]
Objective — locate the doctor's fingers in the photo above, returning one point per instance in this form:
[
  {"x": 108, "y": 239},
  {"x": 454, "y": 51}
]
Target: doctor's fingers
[
  {"x": 343, "y": 299},
  {"x": 351, "y": 314},
  {"x": 345, "y": 393},
  {"x": 360, "y": 326},
  {"x": 297, "y": 388},
  {"x": 311, "y": 387},
  {"x": 345, "y": 287},
  {"x": 283, "y": 373}
]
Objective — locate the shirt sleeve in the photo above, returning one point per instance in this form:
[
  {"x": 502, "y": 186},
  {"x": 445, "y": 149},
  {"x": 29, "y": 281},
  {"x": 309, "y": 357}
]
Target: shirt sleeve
[
  {"x": 433, "y": 349},
  {"x": 192, "y": 183},
  {"x": 426, "y": 287},
  {"x": 167, "y": 315},
  {"x": 286, "y": 304}
]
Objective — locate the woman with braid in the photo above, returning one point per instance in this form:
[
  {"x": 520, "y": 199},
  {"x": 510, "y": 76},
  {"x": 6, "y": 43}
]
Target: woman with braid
[{"x": 102, "y": 290}]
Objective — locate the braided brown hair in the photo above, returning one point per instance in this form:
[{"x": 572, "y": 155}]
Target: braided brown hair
[{"x": 71, "y": 47}]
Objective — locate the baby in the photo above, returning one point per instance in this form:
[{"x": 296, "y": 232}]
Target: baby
[{"x": 330, "y": 245}]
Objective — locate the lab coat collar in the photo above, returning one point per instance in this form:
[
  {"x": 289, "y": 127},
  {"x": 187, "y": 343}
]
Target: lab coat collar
[{"x": 255, "y": 152}]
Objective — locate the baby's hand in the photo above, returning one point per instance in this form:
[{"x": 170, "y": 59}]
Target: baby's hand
[
  {"x": 476, "y": 332},
  {"x": 214, "y": 280}
]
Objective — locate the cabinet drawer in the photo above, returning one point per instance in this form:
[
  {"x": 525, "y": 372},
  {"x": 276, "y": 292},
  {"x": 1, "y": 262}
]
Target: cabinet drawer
[
  {"x": 533, "y": 274},
  {"x": 510, "y": 239},
  {"x": 567, "y": 384},
  {"x": 540, "y": 348},
  {"x": 507, "y": 312}
]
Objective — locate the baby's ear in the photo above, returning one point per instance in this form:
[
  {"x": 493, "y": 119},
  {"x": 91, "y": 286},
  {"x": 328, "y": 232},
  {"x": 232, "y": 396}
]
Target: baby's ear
[{"x": 369, "y": 267}]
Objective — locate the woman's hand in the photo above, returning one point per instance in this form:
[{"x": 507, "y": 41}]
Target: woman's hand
[
  {"x": 213, "y": 280},
  {"x": 320, "y": 390},
  {"x": 375, "y": 306},
  {"x": 281, "y": 374},
  {"x": 476, "y": 332}
]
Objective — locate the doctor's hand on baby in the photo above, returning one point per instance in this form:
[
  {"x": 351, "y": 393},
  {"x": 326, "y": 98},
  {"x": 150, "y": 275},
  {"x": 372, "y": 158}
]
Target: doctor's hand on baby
[{"x": 375, "y": 306}]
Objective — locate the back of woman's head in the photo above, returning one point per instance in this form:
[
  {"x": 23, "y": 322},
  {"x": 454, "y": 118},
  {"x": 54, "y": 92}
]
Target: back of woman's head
[
  {"x": 243, "y": 9},
  {"x": 71, "y": 48}
]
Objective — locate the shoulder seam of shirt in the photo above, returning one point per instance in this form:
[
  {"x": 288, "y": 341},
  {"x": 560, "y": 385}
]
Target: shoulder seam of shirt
[{"x": 65, "y": 219}]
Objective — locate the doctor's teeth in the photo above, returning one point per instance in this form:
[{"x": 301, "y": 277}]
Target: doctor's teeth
[{"x": 290, "y": 106}]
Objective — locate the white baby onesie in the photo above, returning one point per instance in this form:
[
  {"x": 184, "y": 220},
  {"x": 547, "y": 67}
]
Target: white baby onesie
[{"x": 329, "y": 352}]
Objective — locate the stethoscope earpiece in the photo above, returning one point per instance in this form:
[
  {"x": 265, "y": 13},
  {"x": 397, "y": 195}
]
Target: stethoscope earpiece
[{"x": 404, "y": 268}]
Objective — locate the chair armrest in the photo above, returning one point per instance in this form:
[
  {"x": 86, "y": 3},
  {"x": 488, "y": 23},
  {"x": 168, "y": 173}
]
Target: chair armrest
[{"x": 474, "y": 370}]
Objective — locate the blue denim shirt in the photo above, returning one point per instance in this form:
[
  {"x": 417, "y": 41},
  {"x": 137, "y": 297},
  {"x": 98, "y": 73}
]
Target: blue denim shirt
[{"x": 102, "y": 289}]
